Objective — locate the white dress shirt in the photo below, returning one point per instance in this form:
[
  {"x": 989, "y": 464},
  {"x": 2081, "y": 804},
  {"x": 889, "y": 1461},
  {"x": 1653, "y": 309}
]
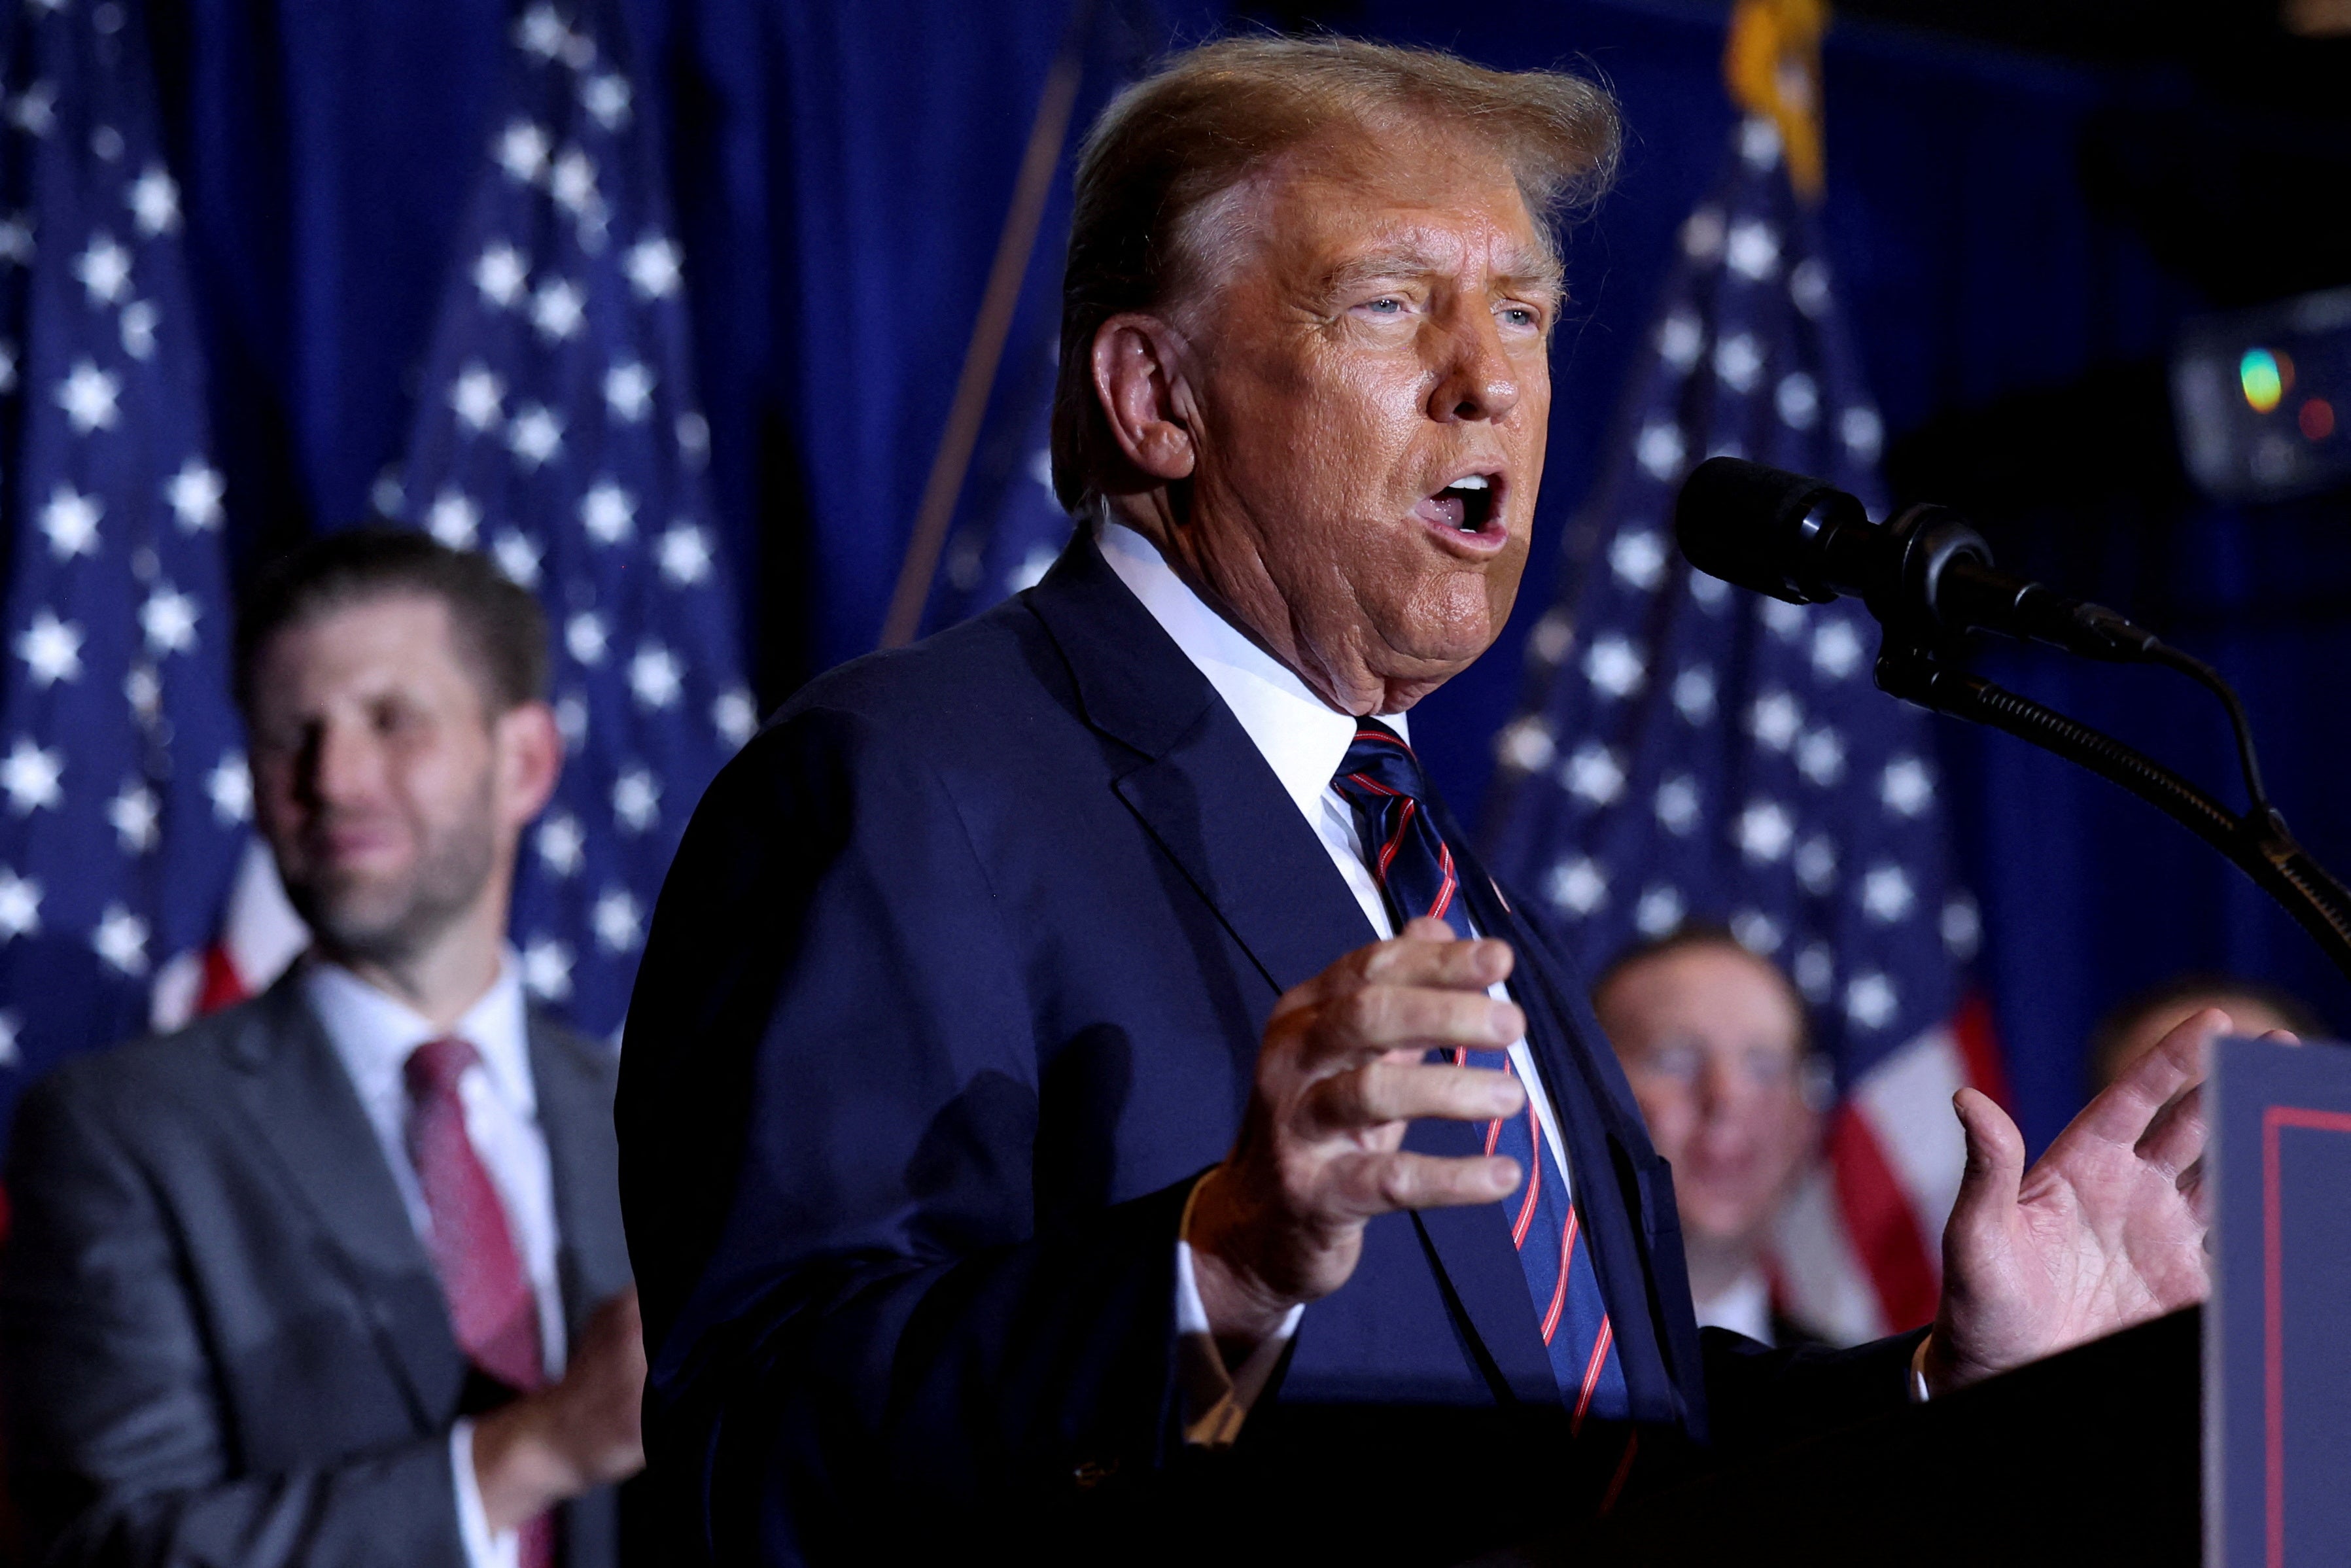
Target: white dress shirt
[
  {"x": 1304, "y": 740},
  {"x": 1743, "y": 1307},
  {"x": 372, "y": 1035}
]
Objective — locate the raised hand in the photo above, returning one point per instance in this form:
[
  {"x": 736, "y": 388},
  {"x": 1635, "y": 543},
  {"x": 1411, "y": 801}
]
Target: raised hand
[
  {"x": 1281, "y": 1220},
  {"x": 2105, "y": 1230}
]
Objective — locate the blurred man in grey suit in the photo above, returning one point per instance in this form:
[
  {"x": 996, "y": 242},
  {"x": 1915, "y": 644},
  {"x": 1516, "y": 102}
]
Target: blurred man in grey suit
[{"x": 337, "y": 1276}]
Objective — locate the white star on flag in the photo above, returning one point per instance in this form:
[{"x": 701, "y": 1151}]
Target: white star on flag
[
  {"x": 144, "y": 690},
  {"x": 1885, "y": 894},
  {"x": 476, "y": 397},
  {"x": 655, "y": 676},
  {"x": 168, "y": 621},
  {"x": 606, "y": 96},
  {"x": 573, "y": 184},
  {"x": 134, "y": 815},
  {"x": 70, "y": 520},
  {"x": 16, "y": 240},
  {"x": 522, "y": 151},
  {"x": 733, "y": 715},
  {"x": 541, "y": 32},
  {"x": 103, "y": 270},
  {"x": 651, "y": 264},
  {"x": 20, "y": 905},
  {"x": 12, "y": 1054},
  {"x": 1907, "y": 789},
  {"x": 1869, "y": 1001},
  {"x": 1578, "y": 885},
  {"x": 51, "y": 649},
  {"x": 1753, "y": 251},
  {"x": 230, "y": 786},
  {"x": 559, "y": 310},
  {"x": 535, "y": 436},
  {"x": 35, "y": 111},
  {"x": 547, "y": 968},
  {"x": 1816, "y": 865},
  {"x": 1614, "y": 667},
  {"x": 585, "y": 636},
  {"x": 121, "y": 940},
  {"x": 1660, "y": 450},
  {"x": 1694, "y": 693},
  {"x": 8, "y": 367},
  {"x": 140, "y": 319},
  {"x": 619, "y": 923},
  {"x": 608, "y": 512},
  {"x": 454, "y": 519},
  {"x": 1677, "y": 804},
  {"x": 636, "y": 800},
  {"x": 1820, "y": 756},
  {"x": 1836, "y": 650},
  {"x": 194, "y": 495},
  {"x": 517, "y": 556},
  {"x": 1775, "y": 720},
  {"x": 1660, "y": 910},
  {"x": 1798, "y": 400},
  {"x": 629, "y": 392},
  {"x": 155, "y": 202},
  {"x": 562, "y": 847},
  {"x": 88, "y": 396},
  {"x": 1737, "y": 361},
  {"x": 684, "y": 554},
  {"x": 1637, "y": 558},
  {"x": 1764, "y": 831},
  {"x": 501, "y": 273},
  {"x": 1527, "y": 745},
  {"x": 1593, "y": 773}
]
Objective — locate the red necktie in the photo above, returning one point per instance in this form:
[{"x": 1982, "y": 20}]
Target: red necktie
[{"x": 491, "y": 1305}]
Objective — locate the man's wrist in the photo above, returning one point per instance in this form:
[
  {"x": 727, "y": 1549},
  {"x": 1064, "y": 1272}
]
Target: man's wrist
[
  {"x": 1242, "y": 1312},
  {"x": 519, "y": 1467}
]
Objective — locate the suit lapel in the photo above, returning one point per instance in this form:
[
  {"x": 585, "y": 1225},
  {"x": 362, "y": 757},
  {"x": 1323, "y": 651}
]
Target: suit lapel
[
  {"x": 1200, "y": 787},
  {"x": 306, "y": 1112},
  {"x": 575, "y": 1116}
]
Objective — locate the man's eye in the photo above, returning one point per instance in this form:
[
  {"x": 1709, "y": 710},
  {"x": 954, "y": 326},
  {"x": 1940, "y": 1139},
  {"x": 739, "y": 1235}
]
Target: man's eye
[
  {"x": 1386, "y": 305},
  {"x": 1520, "y": 315}
]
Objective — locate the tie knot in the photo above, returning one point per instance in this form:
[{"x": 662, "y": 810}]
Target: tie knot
[
  {"x": 433, "y": 1068},
  {"x": 1378, "y": 763}
]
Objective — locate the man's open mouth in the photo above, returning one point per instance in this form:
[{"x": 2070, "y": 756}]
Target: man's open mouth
[{"x": 1466, "y": 504}]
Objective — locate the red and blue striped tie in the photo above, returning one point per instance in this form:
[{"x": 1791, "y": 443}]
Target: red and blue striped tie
[{"x": 1381, "y": 778}]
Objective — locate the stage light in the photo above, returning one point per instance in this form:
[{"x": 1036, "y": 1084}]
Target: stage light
[
  {"x": 2256, "y": 394},
  {"x": 2263, "y": 379}
]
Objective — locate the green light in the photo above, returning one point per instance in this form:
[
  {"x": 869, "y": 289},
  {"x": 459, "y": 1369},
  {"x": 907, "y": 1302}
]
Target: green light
[{"x": 2264, "y": 385}]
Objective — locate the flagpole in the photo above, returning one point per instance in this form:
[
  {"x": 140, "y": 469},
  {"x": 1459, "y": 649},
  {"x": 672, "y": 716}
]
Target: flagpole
[{"x": 1014, "y": 246}]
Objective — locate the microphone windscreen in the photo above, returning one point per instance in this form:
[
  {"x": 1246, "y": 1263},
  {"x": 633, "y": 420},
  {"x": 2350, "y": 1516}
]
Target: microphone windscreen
[{"x": 1743, "y": 522}]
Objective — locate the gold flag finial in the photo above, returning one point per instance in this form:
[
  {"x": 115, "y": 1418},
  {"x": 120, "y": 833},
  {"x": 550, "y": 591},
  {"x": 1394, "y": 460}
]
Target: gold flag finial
[{"x": 1772, "y": 66}]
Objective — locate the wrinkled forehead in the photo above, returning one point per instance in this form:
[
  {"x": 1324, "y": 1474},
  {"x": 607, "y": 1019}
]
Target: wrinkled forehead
[{"x": 1389, "y": 189}]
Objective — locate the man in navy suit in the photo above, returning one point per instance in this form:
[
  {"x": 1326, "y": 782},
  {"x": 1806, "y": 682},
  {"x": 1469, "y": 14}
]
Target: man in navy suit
[{"x": 1082, "y": 1043}]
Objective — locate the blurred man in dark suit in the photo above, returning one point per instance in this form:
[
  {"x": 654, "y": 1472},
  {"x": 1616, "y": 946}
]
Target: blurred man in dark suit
[
  {"x": 337, "y": 1276},
  {"x": 1084, "y": 1040},
  {"x": 1714, "y": 1044}
]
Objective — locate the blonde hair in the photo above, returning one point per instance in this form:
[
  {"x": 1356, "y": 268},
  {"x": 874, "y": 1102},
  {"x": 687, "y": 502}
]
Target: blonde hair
[{"x": 1169, "y": 147}]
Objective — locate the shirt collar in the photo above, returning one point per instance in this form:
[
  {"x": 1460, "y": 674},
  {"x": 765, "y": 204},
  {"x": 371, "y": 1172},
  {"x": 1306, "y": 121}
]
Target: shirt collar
[
  {"x": 374, "y": 1032},
  {"x": 1302, "y": 737}
]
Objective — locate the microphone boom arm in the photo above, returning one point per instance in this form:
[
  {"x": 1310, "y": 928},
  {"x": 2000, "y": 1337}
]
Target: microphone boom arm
[{"x": 2258, "y": 842}]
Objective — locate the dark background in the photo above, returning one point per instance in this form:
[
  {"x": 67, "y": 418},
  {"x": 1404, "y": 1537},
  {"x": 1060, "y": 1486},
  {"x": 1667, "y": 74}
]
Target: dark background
[{"x": 2026, "y": 198}]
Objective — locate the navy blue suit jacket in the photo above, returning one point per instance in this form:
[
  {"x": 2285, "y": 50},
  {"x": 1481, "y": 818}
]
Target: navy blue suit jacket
[{"x": 957, "y": 986}]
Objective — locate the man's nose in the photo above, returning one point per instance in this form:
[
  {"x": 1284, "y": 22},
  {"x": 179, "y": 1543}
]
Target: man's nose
[
  {"x": 1476, "y": 380},
  {"x": 337, "y": 764}
]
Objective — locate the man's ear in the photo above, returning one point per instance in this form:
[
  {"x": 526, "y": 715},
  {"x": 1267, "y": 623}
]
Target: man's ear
[
  {"x": 530, "y": 757},
  {"x": 1139, "y": 379}
]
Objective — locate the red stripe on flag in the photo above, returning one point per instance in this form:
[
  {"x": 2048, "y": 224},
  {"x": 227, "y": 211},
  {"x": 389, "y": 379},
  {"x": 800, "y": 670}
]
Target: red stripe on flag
[
  {"x": 222, "y": 986},
  {"x": 1880, "y": 1223},
  {"x": 1971, "y": 1026}
]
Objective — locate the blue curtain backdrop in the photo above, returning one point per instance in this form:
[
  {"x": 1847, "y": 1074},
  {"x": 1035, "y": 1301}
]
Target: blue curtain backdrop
[{"x": 841, "y": 171}]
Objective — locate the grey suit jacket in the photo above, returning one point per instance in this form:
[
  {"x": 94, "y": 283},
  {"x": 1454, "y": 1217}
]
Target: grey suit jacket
[{"x": 222, "y": 1342}]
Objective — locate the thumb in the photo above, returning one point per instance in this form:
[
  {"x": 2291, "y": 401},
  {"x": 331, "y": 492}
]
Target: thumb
[{"x": 1995, "y": 1168}]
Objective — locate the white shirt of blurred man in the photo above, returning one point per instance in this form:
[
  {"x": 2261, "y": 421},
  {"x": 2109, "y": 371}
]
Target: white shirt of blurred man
[{"x": 1713, "y": 1040}]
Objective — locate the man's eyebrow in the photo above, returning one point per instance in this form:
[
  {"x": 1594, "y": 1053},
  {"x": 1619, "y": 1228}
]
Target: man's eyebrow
[{"x": 1527, "y": 273}]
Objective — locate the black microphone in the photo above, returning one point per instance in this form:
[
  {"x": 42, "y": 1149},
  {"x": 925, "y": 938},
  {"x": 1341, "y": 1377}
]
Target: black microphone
[{"x": 1927, "y": 575}]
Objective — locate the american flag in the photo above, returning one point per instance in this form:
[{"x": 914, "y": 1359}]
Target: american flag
[
  {"x": 557, "y": 430},
  {"x": 123, "y": 789},
  {"x": 1695, "y": 753}
]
